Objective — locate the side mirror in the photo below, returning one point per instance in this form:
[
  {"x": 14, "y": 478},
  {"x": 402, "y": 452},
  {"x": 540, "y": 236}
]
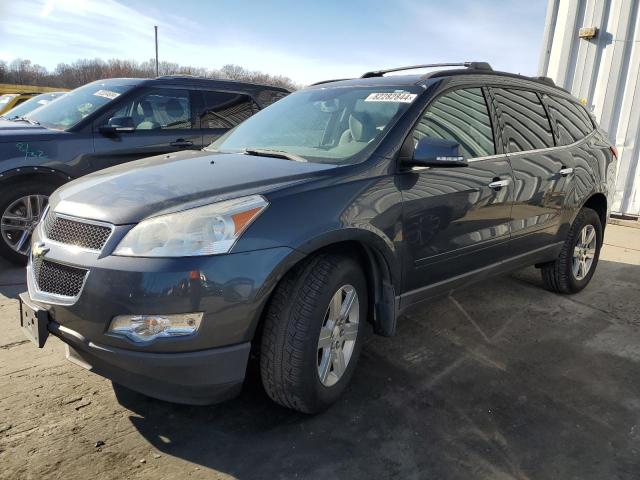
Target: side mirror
[
  {"x": 117, "y": 125},
  {"x": 436, "y": 152}
]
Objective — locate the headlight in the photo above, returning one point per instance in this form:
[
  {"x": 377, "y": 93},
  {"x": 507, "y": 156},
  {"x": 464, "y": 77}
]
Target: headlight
[
  {"x": 207, "y": 230},
  {"x": 145, "y": 328}
]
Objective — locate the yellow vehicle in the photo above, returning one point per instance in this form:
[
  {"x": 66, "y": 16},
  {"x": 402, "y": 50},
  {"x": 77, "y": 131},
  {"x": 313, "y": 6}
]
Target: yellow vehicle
[{"x": 10, "y": 100}]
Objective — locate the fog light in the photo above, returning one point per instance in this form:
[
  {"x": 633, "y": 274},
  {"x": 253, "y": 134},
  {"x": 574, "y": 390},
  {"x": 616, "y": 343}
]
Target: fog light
[{"x": 145, "y": 328}]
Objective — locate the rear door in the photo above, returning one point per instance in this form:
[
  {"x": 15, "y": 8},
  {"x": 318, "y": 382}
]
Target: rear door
[
  {"x": 540, "y": 187},
  {"x": 164, "y": 122},
  {"x": 456, "y": 220}
]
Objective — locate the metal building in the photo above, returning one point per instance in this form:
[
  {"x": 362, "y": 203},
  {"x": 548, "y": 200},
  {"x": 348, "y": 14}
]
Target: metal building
[{"x": 592, "y": 48}]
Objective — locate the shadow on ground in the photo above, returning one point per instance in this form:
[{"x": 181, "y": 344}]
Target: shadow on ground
[{"x": 504, "y": 380}]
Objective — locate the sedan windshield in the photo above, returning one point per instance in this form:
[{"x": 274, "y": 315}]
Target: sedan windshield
[
  {"x": 338, "y": 125},
  {"x": 69, "y": 109}
]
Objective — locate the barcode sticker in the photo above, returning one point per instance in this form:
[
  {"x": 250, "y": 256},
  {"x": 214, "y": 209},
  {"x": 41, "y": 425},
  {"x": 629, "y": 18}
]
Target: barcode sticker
[{"x": 399, "y": 97}]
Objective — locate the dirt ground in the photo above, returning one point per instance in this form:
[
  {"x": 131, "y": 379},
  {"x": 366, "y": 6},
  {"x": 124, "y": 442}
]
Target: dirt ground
[{"x": 501, "y": 381}]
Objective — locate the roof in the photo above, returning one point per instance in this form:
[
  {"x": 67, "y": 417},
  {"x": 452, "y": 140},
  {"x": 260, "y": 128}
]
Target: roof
[{"x": 192, "y": 81}]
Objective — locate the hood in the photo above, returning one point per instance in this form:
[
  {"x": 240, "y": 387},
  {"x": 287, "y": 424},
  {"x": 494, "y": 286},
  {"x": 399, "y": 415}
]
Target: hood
[
  {"x": 11, "y": 131},
  {"x": 157, "y": 185}
]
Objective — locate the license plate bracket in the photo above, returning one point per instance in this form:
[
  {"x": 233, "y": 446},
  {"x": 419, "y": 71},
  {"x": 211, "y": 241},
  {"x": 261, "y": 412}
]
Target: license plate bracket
[{"x": 33, "y": 320}]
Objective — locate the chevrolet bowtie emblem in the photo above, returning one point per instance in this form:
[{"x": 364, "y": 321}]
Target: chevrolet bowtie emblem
[{"x": 38, "y": 249}]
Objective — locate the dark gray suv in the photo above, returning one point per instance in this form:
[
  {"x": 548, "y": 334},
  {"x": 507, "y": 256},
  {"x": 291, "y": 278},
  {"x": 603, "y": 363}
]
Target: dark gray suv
[
  {"x": 341, "y": 205},
  {"x": 106, "y": 123}
]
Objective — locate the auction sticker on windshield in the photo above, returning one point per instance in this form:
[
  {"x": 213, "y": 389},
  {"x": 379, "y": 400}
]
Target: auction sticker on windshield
[
  {"x": 401, "y": 97},
  {"x": 106, "y": 94}
]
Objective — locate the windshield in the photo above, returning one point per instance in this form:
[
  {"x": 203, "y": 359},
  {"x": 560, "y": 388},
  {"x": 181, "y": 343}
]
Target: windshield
[
  {"x": 77, "y": 104},
  {"x": 337, "y": 125},
  {"x": 31, "y": 104}
]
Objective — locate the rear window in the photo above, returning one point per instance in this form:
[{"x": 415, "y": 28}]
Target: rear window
[
  {"x": 526, "y": 125},
  {"x": 572, "y": 120}
]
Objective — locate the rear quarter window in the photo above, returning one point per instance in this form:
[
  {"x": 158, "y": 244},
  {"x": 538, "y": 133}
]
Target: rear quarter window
[
  {"x": 525, "y": 122},
  {"x": 572, "y": 120},
  {"x": 226, "y": 109}
]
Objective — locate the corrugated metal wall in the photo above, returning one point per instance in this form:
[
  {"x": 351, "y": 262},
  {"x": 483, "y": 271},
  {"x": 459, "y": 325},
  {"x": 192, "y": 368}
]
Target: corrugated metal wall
[{"x": 604, "y": 72}]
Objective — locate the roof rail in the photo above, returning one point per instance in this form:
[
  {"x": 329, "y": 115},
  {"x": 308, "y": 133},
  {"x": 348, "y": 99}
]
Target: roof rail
[
  {"x": 473, "y": 65},
  {"x": 547, "y": 80},
  {"x": 329, "y": 81}
]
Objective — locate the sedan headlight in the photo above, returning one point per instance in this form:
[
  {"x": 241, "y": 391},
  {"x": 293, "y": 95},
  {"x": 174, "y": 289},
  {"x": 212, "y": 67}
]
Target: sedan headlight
[{"x": 207, "y": 230}]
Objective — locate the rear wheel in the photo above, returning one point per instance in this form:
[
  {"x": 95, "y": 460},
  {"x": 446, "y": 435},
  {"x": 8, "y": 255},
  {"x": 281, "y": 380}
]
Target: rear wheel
[
  {"x": 577, "y": 262},
  {"x": 313, "y": 333},
  {"x": 21, "y": 208}
]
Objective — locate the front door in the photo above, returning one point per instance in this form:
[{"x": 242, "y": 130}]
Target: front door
[
  {"x": 163, "y": 122},
  {"x": 455, "y": 219}
]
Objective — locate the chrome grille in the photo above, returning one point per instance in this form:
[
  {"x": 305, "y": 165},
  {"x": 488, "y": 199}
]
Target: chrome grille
[
  {"x": 57, "y": 279},
  {"x": 75, "y": 232}
]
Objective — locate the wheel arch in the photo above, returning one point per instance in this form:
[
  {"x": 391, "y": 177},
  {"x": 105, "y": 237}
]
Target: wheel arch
[
  {"x": 598, "y": 202},
  {"x": 383, "y": 280},
  {"x": 29, "y": 174}
]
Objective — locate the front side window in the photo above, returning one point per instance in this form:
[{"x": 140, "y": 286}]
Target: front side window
[
  {"x": 572, "y": 121},
  {"x": 68, "y": 110},
  {"x": 339, "y": 125},
  {"x": 158, "y": 109},
  {"x": 526, "y": 125},
  {"x": 226, "y": 109},
  {"x": 461, "y": 116}
]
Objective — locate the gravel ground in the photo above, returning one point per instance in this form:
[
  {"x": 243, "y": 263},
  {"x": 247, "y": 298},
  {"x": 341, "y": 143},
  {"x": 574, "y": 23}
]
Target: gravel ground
[{"x": 501, "y": 381}]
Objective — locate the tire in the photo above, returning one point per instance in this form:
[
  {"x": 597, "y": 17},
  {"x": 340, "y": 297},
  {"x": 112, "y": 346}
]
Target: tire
[
  {"x": 291, "y": 359},
  {"x": 560, "y": 276},
  {"x": 9, "y": 194}
]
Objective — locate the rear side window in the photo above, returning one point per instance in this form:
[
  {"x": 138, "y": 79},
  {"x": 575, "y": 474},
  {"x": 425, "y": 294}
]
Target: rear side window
[
  {"x": 461, "y": 116},
  {"x": 226, "y": 109},
  {"x": 526, "y": 125},
  {"x": 572, "y": 121}
]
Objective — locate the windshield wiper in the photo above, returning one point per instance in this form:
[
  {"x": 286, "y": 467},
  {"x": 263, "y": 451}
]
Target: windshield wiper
[
  {"x": 261, "y": 152},
  {"x": 23, "y": 119}
]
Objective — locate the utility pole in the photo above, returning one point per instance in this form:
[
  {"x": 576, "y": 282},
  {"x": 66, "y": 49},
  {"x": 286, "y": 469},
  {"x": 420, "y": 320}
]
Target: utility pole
[{"x": 157, "y": 69}]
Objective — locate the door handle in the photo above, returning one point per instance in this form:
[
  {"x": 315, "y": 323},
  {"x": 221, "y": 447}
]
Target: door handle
[
  {"x": 566, "y": 171},
  {"x": 182, "y": 143},
  {"x": 498, "y": 184}
]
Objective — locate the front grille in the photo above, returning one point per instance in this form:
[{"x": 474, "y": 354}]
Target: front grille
[
  {"x": 73, "y": 232},
  {"x": 57, "y": 279}
]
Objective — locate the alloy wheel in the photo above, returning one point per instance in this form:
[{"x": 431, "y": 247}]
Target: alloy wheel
[
  {"x": 19, "y": 220},
  {"x": 584, "y": 252},
  {"x": 338, "y": 335}
]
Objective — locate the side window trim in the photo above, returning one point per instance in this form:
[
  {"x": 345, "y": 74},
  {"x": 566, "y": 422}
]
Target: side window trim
[{"x": 552, "y": 123}]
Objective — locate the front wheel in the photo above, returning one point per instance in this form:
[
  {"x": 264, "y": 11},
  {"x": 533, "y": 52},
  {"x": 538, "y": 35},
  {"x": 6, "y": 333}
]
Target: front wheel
[
  {"x": 313, "y": 333},
  {"x": 21, "y": 208},
  {"x": 577, "y": 262}
]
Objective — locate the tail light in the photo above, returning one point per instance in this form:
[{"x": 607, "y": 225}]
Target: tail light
[{"x": 614, "y": 150}]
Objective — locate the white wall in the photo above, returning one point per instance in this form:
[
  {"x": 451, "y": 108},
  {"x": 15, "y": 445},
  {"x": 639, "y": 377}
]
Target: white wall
[{"x": 603, "y": 72}]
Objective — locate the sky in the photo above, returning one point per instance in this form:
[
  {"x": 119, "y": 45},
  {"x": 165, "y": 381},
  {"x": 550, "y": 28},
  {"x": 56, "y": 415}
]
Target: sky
[{"x": 304, "y": 40}]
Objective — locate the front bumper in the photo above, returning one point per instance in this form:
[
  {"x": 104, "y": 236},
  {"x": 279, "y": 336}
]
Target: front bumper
[
  {"x": 209, "y": 366},
  {"x": 195, "y": 378}
]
